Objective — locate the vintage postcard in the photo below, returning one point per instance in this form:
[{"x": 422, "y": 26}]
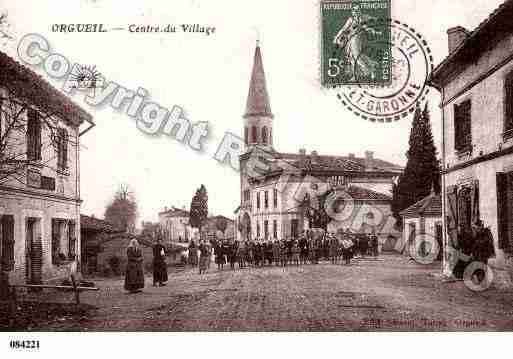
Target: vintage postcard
[{"x": 254, "y": 167}]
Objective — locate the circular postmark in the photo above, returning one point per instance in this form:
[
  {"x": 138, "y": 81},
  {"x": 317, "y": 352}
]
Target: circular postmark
[{"x": 407, "y": 64}]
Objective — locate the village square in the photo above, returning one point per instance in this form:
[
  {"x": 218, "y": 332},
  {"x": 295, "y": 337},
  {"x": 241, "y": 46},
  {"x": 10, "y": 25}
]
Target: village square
[{"x": 316, "y": 242}]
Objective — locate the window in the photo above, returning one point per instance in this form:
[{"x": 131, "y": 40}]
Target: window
[
  {"x": 508, "y": 101},
  {"x": 266, "y": 230},
  {"x": 275, "y": 229},
  {"x": 63, "y": 240},
  {"x": 62, "y": 149},
  {"x": 254, "y": 135},
  {"x": 72, "y": 240},
  {"x": 264, "y": 135},
  {"x": 258, "y": 229},
  {"x": 7, "y": 242},
  {"x": 247, "y": 195},
  {"x": 266, "y": 199},
  {"x": 246, "y": 135},
  {"x": 294, "y": 227},
  {"x": 275, "y": 198},
  {"x": 33, "y": 136},
  {"x": 258, "y": 200},
  {"x": 462, "y": 127}
]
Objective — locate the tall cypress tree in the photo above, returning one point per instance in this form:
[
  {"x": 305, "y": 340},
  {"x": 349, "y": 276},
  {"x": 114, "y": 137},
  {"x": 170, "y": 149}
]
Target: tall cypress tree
[
  {"x": 422, "y": 170},
  {"x": 199, "y": 208}
]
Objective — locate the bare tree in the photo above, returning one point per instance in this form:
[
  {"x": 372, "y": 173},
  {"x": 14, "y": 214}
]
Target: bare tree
[
  {"x": 15, "y": 155},
  {"x": 122, "y": 211}
]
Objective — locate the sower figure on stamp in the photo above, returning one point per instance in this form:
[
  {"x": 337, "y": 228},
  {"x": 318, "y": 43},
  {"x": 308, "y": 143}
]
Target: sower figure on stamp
[
  {"x": 352, "y": 38},
  {"x": 159, "y": 264},
  {"x": 134, "y": 276}
]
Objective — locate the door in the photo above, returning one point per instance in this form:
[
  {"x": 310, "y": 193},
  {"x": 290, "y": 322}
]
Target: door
[{"x": 33, "y": 251}]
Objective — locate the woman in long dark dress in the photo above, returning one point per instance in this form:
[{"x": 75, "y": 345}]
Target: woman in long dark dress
[
  {"x": 205, "y": 253},
  {"x": 159, "y": 264},
  {"x": 134, "y": 276}
]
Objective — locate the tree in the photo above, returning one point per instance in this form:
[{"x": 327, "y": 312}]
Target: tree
[
  {"x": 199, "y": 209},
  {"x": 16, "y": 134},
  {"x": 422, "y": 172},
  {"x": 122, "y": 211}
]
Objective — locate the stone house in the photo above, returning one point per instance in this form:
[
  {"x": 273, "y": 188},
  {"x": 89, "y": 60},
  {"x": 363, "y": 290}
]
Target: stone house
[
  {"x": 476, "y": 83},
  {"x": 40, "y": 200},
  {"x": 272, "y": 190},
  {"x": 423, "y": 218},
  {"x": 93, "y": 232},
  {"x": 174, "y": 223}
]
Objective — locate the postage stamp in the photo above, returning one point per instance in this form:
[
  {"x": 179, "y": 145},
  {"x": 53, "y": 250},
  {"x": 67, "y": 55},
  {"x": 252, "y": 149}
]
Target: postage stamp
[{"x": 355, "y": 43}]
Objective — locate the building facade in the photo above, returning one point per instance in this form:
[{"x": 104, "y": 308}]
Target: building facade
[
  {"x": 476, "y": 83},
  {"x": 273, "y": 185},
  {"x": 174, "y": 223},
  {"x": 40, "y": 189}
]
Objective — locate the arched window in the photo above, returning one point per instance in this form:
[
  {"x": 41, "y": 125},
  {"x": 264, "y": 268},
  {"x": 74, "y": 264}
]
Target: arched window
[
  {"x": 254, "y": 137},
  {"x": 246, "y": 135},
  {"x": 264, "y": 135}
]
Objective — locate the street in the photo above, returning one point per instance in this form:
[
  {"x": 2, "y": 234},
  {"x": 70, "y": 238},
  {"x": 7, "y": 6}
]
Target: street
[{"x": 388, "y": 294}]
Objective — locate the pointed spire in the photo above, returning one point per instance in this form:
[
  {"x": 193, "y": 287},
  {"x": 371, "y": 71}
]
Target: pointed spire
[{"x": 258, "y": 99}]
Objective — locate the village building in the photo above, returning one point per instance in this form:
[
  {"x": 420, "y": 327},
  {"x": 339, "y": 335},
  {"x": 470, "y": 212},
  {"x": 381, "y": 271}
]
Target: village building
[
  {"x": 271, "y": 197},
  {"x": 174, "y": 223},
  {"x": 211, "y": 227},
  {"x": 423, "y": 219},
  {"x": 40, "y": 185},
  {"x": 476, "y": 83},
  {"x": 93, "y": 232}
]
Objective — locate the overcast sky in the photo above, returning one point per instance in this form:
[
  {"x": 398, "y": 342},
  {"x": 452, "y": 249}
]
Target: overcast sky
[{"x": 208, "y": 76}]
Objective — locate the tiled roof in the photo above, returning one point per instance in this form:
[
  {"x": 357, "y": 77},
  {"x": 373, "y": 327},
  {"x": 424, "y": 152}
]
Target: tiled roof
[
  {"x": 502, "y": 13},
  {"x": 258, "y": 98},
  {"x": 31, "y": 87},
  {"x": 88, "y": 223},
  {"x": 175, "y": 212},
  {"x": 428, "y": 206},
  {"x": 365, "y": 194}
]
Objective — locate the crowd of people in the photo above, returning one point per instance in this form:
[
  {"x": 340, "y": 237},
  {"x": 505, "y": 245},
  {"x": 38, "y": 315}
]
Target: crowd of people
[{"x": 307, "y": 249}]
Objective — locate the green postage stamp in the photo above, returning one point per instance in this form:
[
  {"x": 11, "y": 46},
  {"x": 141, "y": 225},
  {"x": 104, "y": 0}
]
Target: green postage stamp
[{"x": 356, "y": 42}]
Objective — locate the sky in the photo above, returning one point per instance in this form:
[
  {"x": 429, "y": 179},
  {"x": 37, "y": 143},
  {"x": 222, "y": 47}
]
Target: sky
[{"x": 208, "y": 76}]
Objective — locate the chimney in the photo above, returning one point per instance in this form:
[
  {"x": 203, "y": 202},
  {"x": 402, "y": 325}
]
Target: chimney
[
  {"x": 456, "y": 36},
  {"x": 315, "y": 157},
  {"x": 369, "y": 157}
]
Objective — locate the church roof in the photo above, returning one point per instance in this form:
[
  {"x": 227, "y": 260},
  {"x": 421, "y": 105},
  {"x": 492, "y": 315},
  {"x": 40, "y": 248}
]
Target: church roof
[
  {"x": 428, "y": 206},
  {"x": 258, "y": 98},
  {"x": 332, "y": 163}
]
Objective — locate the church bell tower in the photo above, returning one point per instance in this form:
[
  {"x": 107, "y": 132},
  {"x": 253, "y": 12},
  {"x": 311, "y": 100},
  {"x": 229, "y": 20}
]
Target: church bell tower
[{"x": 258, "y": 118}]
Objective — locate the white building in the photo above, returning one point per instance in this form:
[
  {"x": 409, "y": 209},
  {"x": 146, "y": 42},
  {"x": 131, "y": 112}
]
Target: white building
[
  {"x": 40, "y": 190},
  {"x": 270, "y": 199}
]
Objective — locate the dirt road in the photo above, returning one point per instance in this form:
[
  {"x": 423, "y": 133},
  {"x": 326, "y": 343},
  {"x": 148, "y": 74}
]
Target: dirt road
[{"x": 391, "y": 293}]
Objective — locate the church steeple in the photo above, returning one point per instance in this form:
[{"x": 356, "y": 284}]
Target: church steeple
[{"x": 258, "y": 115}]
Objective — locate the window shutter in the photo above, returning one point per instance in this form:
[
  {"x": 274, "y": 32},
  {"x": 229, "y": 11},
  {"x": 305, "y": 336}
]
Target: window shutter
[
  {"x": 7, "y": 243},
  {"x": 64, "y": 149},
  {"x": 474, "y": 199},
  {"x": 72, "y": 239},
  {"x": 452, "y": 214},
  {"x": 37, "y": 135},
  {"x": 55, "y": 241},
  {"x": 502, "y": 211},
  {"x": 508, "y": 89}
]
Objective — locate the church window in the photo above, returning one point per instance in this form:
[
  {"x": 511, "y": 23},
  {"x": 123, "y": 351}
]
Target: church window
[
  {"x": 264, "y": 135},
  {"x": 258, "y": 200},
  {"x": 258, "y": 229},
  {"x": 266, "y": 230},
  {"x": 254, "y": 136},
  {"x": 266, "y": 199},
  {"x": 275, "y": 229}
]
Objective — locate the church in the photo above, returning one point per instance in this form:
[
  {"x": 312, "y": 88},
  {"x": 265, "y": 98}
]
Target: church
[{"x": 273, "y": 200}]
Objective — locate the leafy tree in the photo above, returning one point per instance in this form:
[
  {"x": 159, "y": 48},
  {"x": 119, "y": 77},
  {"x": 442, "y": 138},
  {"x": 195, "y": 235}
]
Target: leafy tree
[
  {"x": 122, "y": 211},
  {"x": 422, "y": 172},
  {"x": 199, "y": 209}
]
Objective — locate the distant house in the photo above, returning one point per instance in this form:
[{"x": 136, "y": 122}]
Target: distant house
[
  {"x": 210, "y": 228},
  {"x": 423, "y": 218},
  {"x": 174, "y": 223},
  {"x": 93, "y": 232}
]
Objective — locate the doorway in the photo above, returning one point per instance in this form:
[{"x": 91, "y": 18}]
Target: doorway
[{"x": 33, "y": 251}]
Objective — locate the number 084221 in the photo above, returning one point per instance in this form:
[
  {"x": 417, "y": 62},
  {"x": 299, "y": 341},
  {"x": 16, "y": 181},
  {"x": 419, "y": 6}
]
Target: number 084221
[{"x": 24, "y": 344}]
